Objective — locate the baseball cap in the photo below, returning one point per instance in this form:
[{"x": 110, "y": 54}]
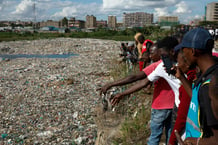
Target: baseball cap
[
  {"x": 178, "y": 47},
  {"x": 130, "y": 44},
  {"x": 196, "y": 38}
]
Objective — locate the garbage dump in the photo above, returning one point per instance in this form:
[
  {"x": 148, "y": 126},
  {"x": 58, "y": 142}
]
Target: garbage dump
[{"x": 51, "y": 100}]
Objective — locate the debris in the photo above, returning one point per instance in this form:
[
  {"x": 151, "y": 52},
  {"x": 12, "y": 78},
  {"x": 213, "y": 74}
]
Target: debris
[{"x": 51, "y": 100}]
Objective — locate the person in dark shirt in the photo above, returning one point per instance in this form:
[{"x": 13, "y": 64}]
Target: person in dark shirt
[{"x": 202, "y": 122}]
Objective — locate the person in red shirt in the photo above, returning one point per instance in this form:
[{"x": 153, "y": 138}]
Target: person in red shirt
[{"x": 145, "y": 50}]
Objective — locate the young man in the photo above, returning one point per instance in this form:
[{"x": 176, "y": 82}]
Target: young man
[
  {"x": 202, "y": 120},
  {"x": 182, "y": 67},
  {"x": 162, "y": 102}
]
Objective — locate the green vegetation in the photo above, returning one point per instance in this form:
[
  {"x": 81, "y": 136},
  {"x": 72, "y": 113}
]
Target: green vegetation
[
  {"x": 151, "y": 32},
  {"x": 135, "y": 130},
  {"x": 209, "y": 23},
  {"x": 135, "y": 108},
  {"x": 12, "y": 36}
]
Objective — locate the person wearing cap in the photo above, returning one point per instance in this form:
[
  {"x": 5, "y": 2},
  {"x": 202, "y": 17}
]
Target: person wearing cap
[
  {"x": 131, "y": 57},
  {"x": 131, "y": 54},
  {"x": 202, "y": 119}
]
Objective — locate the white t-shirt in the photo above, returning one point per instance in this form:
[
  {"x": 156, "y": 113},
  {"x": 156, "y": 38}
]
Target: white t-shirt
[
  {"x": 216, "y": 32},
  {"x": 172, "y": 80}
]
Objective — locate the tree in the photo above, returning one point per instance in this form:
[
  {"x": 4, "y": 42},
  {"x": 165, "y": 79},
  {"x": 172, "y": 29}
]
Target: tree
[
  {"x": 65, "y": 22},
  {"x": 208, "y": 23}
]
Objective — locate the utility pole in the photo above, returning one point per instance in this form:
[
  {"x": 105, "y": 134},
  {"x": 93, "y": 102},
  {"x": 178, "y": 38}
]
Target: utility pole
[{"x": 34, "y": 11}]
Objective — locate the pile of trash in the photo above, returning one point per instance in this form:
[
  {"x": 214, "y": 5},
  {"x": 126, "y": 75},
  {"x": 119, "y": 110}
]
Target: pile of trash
[{"x": 51, "y": 100}]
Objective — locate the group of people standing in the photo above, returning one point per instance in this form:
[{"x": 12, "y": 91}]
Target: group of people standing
[
  {"x": 136, "y": 53},
  {"x": 185, "y": 78}
]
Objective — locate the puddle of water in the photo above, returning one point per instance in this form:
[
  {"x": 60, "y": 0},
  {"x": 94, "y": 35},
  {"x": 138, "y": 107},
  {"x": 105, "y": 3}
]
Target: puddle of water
[{"x": 14, "y": 56}]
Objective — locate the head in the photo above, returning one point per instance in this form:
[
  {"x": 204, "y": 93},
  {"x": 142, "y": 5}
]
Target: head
[
  {"x": 145, "y": 57},
  {"x": 166, "y": 46},
  {"x": 196, "y": 44},
  {"x": 182, "y": 62},
  {"x": 141, "y": 39},
  {"x": 131, "y": 46},
  {"x": 154, "y": 53}
]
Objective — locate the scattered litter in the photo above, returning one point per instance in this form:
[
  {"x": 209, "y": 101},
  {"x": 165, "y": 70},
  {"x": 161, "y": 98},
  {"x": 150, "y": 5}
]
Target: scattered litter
[{"x": 51, "y": 100}]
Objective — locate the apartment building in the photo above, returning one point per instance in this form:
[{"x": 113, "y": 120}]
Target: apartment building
[
  {"x": 101, "y": 23},
  {"x": 112, "y": 21},
  {"x": 90, "y": 21},
  {"x": 56, "y": 24},
  {"x": 138, "y": 19},
  {"x": 72, "y": 22},
  {"x": 168, "y": 20},
  {"x": 212, "y": 11}
]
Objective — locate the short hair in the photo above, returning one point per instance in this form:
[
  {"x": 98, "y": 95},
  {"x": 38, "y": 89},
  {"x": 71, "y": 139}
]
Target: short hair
[
  {"x": 167, "y": 43},
  {"x": 141, "y": 39}
]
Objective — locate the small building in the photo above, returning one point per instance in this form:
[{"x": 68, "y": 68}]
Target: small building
[{"x": 101, "y": 23}]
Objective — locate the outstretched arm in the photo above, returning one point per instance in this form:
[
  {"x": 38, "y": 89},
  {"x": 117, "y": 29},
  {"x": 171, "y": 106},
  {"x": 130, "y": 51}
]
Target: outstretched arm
[
  {"x": 129, "y": 91},
  {"x": 129, "y": 79}
]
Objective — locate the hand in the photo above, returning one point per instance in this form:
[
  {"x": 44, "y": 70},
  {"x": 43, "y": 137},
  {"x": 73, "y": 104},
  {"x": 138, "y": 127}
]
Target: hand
[
  {"x": 188, "y": 141},
  {"x": 178, "y": 137},
  {"x": 103, "y": 89},
  {"x": 178, "y": 71},
  {"x": 116, "y": 99}
]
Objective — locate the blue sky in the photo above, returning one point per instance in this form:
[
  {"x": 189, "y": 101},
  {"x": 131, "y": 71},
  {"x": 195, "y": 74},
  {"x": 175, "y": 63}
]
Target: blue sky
[{"x": 186, "y": 10}]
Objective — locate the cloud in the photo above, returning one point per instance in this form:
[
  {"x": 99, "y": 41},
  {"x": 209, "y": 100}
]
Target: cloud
[
  {"x": 136, "y": 4},
  {"x": 161, "y": 12},
  {"x": 1, "y": 4},
  {"x": 182, "y": 8},
  {"x": 24, "y": 9},
  {"x": 66, "y": 12},
  {"x": 197, "y": 17},
  {"x": 57, "y": 9}
]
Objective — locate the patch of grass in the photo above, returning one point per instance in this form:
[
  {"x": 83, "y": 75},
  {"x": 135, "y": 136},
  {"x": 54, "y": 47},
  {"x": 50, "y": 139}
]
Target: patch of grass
[
  {"x": 135, "y": 130},
  {"x": 135, "y": 108}
]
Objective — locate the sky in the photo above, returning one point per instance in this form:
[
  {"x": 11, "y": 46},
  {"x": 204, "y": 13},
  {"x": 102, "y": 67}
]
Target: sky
[{"x": 23, "y": 10}]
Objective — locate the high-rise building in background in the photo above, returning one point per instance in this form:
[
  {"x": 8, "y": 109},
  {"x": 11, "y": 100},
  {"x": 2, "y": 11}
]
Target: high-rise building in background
[
  {"x": 212, "y": 11},
  {"x": 112, "y": 21},
  {"x": 168, "y": 20},
  {"x": 90, "y": 21},
  {"x": 138, "y": 19}
]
